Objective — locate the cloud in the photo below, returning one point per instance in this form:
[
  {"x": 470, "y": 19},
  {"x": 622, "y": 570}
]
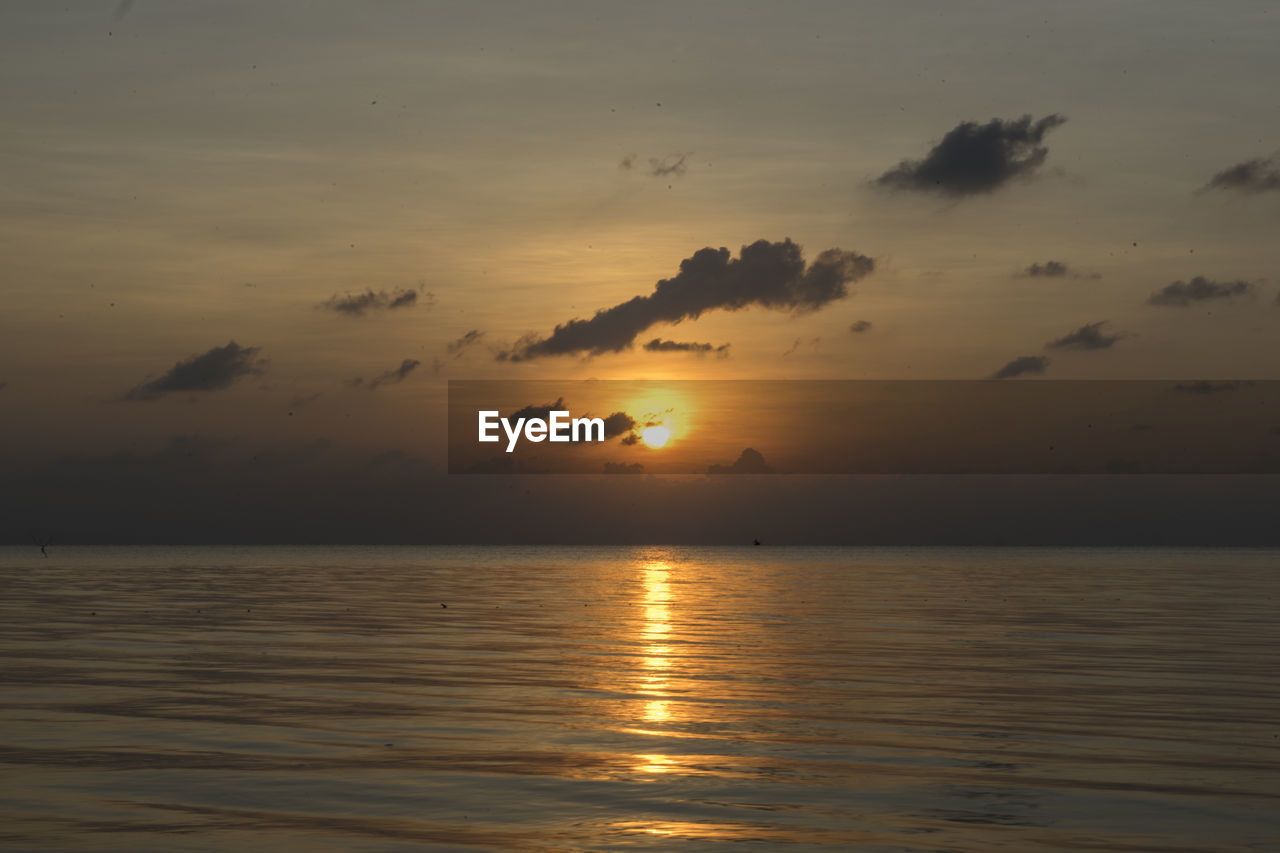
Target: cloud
[
  {"x": 455, "y": 348},
  {"x": 210, "y": 371},
  {"x": 1203, "y": 387},
  {"x": 1088, "y": 336},
  {"x": 813, "y": 342},
  {"x": 860, "y": 326},
  {"x": 357, "y": 304},
  {"x": 542, "y": 412},
  {"x": 623, "y": 468},
  {"x": 770, "y": 275},
  {"x": 749, "y": 462},
  {"x": 671, "y": 165},
  {"x": 627, "y": 162},
  {"x": 976, "y": 158},
  {"x": 1251, "y": 176},
  {"x": 1054, "y": 269},
  {"x": 617, "y": 424},
  {"x": 1021, "y": 365},
  {"x": 1200, "y": 289},
  {"x": 392, "y": 376},
  {"x": 659, "y": 345}
]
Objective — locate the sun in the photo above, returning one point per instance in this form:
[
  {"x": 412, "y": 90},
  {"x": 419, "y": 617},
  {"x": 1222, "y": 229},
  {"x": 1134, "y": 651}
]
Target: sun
[{"x": 655, "y": 436}]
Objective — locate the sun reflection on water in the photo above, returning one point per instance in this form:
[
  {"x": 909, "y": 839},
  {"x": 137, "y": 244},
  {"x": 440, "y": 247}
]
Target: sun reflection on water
[{"x": 656, "y": 656}]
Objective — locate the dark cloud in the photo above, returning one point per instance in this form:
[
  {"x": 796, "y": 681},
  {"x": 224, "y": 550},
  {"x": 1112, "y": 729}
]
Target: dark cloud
[
  {"x": 770, "y": 275},
  {"x": 1200, "y": 289},
  {"x": 543, "y": 412},
  {"x": 617, "y": 424},
  {"x": 860, "y": 326},
  {"x": 455, "y": 348},
  {"x": 1088, "y": 336},
  {"x": 627, "y": 162},
  {"x": 1203, "y": 387},
  {"x": 1054, "y": 269},
  {"x": 397, "y": 375},
  {"x": 1049, "y": 269},
  {"x": 623, "y": 468},
  {"x": 358, "y": 304},
  {"x": 659, "y": 345},
  {"x": 1251, "y": 176},
  {"x": 976, "y": 158},
  {"x": 749, "y": 462},
  {"x": 671, "y": 165},
  {"x": 1022, "y": 365},
  {"x": 210, "y": 371}
]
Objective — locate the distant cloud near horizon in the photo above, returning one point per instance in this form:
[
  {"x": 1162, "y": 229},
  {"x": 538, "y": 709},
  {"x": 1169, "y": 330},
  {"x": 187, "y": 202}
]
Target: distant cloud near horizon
[
  {"x": 768, "y": 275},
  {"x": 750, "y": 461},
  {"x": 660, "y": 345},
  {"x": 358, "y": 304},
  {"x": 858, "y": 327},
  {"x": 1033, "y": 364},
  {"x": 1251, "y": 176},
  {"x": 1205, "y": 387},
  {"x": 213, "y": 370},
  {"x": 1180, "y": 294},
  {"x": 973, "y": 158},
  {"x": 1088, "y": 337}
]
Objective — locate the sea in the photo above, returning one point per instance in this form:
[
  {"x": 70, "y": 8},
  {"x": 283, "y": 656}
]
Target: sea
[{"x": 639, "y": 698}]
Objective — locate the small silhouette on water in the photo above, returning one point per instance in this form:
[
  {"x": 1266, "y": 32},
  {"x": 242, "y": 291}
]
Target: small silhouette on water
[
  {"x": 756, "y": 541},
  {"x": 445, "y": 606}
]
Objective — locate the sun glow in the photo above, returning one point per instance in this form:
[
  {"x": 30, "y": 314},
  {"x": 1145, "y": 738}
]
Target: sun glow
[{"x": 655, "y": 436}]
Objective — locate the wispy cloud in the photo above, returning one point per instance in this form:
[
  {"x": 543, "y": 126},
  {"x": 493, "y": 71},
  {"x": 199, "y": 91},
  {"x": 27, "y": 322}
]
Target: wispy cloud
[
  {"x": 1180, "y": 294},
  {"x": 214, "y": 370}
]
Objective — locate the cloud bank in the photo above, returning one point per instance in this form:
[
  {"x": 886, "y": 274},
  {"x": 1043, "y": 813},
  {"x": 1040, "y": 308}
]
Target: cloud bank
[
  {"x": 768, "y": 275},
  {"x": 973, "y": 158}
]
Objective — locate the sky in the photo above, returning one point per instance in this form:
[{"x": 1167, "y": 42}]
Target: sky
[{"x": 232, "y": 232}]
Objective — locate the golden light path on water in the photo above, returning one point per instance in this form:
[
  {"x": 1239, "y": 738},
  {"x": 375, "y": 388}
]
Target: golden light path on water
[
  {"x": 656, "y": 660},
  {"x": 640, "y": 699}
]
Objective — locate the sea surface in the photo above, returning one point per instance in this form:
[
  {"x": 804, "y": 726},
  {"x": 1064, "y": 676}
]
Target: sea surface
[{"x": 640, "y": 699}]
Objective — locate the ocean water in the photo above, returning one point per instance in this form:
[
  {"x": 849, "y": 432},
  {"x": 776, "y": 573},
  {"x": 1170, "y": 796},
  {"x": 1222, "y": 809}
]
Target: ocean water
[{"x": 560, "y": 699}]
